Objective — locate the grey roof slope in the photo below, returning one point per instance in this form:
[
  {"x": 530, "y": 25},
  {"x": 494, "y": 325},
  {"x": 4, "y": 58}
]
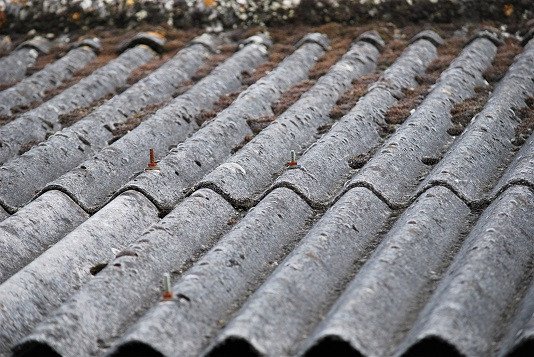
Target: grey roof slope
[
  {"x": 395, "y": 278},
  {"x": 212, "y": 144},
  {"x": 178, "y": 112},
  {"x": 357, "y": 211},
  {"x": 232, "y": 268},
  {"x": 41, "y": 285},
  {"x": 32, "y": 230},
  {"x": 264, "y": 259},
  {"x": 508, "y": 216},
  {"x": 97, "y": 179},
  {"x": 272, "y": 83},
  {"x": 178, "y": 238}
]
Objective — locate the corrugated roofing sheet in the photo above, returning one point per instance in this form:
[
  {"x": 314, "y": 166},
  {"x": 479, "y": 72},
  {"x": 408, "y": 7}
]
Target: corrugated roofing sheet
[
  {"x": 311, "y": 235},
  {"x": 13, "y": 67}
]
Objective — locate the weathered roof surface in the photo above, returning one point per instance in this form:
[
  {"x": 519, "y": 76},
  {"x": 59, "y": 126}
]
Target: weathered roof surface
[
  {"x": 313, "y": 197},
  {"x": 13, "y": 67}
]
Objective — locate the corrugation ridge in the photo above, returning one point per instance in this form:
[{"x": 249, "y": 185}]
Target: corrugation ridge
[
  {"x": 363, "y": 314},
  {"x": 517, "y": 172},
  {"x": 53, "y": 187},
  {"x": 13, "y": 71},
  {"x": 59, "y": 219},
  {"x": 39, "y": 288},
  {"x": 307, "y": 282},
  {"x": 501, "y": 235},
  {"x": 97, "y": 178},
  {"x": 240, "y": 259},
  {"x": 358, "y": 131}
]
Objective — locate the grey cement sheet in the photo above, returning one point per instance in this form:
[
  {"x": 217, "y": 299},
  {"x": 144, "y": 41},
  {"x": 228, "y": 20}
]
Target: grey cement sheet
[
  {"x": 32, "y": 89},
  {"x": 471, "y": 166},
  {"x": 94, "y": 181},
  {"x": 95, "y": 313},
  {"x": 26, "y": 175},
  {"x": 520, "y": 337},
  {"x": 33, "y": 126},
  {"x": 35, "y": 291},
  {"x": 29, "y": 232},
  {"x": 216, "y": 284},
  {"x": 293, "y": 299},
  {"x": 394, "y": 171},
  {"x": 3, "y": 214},
  {"x": 378, "y": 307},
  {"x": 245, "y": 176},
  {"x": 469, "y": 320},
  {"x": 325, "y": 167},
  {"x": 13, "y": 67},
  {"x": 216, "y": 141}
]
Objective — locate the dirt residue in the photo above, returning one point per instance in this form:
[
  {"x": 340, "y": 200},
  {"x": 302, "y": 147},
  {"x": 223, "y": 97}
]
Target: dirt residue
[
  {"x": 110, "y": 41},
  {"x": 349, "y": 99},
  {"x": 223, "y": 103},
  {"x": 358, "y": 161},
  {"x": 242, "y": 143},
  {"x": 74, "y": 116},
  {"x": 526, "y": 127},
  {"x": 399, "y": 112},
  {"x": 225, "y": 51},
  {"x": 340, "y": 37},
  {"x": 390, "y": 53},
  {"x": 284, "y": 37},
  {"x": 463, "y": 112},
  {"x": 291, "y": 96},
  {"x": 134, "y": 120},
  {"x": 27, "y": 146},
  {"x": 258, "y": 124},
  {"x": 503, "y": 59},
  {"x": 277, "y": 53},
  {"x": 176, "y": 40}
]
